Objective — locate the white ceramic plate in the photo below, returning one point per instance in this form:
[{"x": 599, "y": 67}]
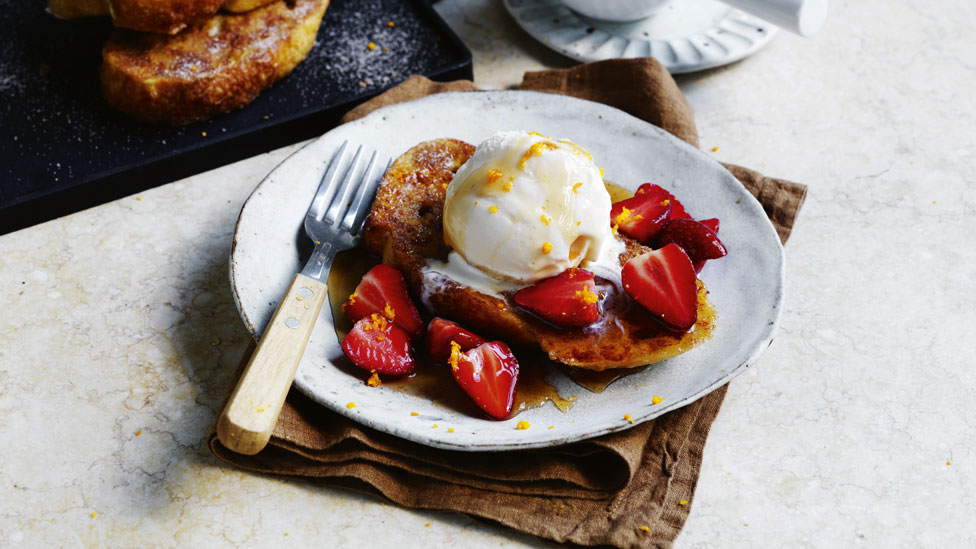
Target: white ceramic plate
[
  {"x": 685, "y": 35},
  {"x": 746, "y": 286}
]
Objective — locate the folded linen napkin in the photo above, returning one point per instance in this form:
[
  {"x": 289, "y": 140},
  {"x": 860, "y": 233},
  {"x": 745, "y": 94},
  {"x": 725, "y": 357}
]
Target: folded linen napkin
[{"x": 624, "y": 489}]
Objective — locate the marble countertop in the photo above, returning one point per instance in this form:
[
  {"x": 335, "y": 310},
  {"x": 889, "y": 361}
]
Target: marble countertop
[{"x": 118, "y": 333}]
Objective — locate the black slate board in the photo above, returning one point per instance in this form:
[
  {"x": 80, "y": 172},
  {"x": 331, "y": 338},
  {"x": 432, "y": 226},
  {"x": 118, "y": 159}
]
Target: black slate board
[{"x": 63, "y": 148}]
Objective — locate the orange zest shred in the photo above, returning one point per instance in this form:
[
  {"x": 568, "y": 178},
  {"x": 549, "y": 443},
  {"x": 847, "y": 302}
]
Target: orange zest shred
[
  {"x": 494, "y": 175},
  {"x": 388, "y": 312},
  {"x": 378, "y": 323},
  {"x": 455, "y": 355},
  {"x": 545, "y": 219},
  {"x": 546, "y": 247},
  {"x": 577, "y": 186},
  {"x": 522, "y": 425},
  {"x": 374, "y": 380},
  {"x": 587, "y": 296},
  {"x": 624, "y": 215},
  {"x": 350, "y": 302},
  {"x": 493, "y": 209},
  {"x": 536, "y": 149}
]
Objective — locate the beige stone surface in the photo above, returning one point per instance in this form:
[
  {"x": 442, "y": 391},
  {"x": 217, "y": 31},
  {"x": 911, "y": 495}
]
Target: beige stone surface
[{"x": 118, "y": 333}]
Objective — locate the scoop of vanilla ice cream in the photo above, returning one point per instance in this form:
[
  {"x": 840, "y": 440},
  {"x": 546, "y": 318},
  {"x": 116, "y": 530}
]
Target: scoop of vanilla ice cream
[{"x": 525, "y": 207}]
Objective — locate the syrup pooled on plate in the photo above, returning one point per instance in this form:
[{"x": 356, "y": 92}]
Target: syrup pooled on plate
[{"x": 433, "y": 381}]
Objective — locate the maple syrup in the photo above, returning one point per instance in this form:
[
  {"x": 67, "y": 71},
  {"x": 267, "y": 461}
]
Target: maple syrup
[{"x": 434, "y": 382}]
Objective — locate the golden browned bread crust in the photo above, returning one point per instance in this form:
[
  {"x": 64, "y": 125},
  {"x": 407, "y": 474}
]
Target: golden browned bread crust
[
  {"x": 405, "y": 227},
  {"x": 165, "y": 16},
  {"x": 162, "y": 16},
  {"x": 239, "y": 6},
  {"x": 212, "y": 67}
]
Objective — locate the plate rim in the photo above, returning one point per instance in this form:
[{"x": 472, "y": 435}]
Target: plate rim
[{"x": 769, "y": 332}]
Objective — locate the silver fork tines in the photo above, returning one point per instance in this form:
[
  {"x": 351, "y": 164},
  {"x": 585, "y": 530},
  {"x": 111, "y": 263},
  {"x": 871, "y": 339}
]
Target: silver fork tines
[{"x": 335, "y": 218}]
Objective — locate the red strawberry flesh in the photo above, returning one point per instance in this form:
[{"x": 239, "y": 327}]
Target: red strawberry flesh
[
  {"x": 697, "y": 240},
  {"x": 488, "y": 373},
  {"x": 677, "y": 210},
  {"x": 440, "y": 334},
  {"x": 568, "y": 300},
  {"x": 711, "y": 224},
  {"x": 377, "y": 345},
  {"x": 384, "y": 291},
  {"x": 664, "y": 282},
  {"x": 642, "y": 216}
]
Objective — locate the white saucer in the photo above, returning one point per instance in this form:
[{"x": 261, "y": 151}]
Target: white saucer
[{"x": 685, "y": 36}]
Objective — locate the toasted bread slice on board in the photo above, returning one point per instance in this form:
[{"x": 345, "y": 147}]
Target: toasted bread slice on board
[{"x": 213, "y": 67}]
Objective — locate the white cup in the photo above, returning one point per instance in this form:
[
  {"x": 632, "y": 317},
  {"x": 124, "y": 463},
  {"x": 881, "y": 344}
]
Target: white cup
[{"x": 617, "y": 11}]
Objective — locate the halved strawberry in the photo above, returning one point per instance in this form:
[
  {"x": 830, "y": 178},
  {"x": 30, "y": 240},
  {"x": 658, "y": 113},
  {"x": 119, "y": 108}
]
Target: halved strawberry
[
  {"x": 377, "y": 345},
  {"x": 568, "y": 300},
  {"x": 384, "y": 291},
  {"x": 440, "y": 334},
  {"x": 677, "y": 210},
  {"x": 663, "y": 282},
  {"x": 642, "y": 216},
  {"x": 488, "y": 373},
  {"x": 711, "y": 224},
  {"x": 697, "y": 240}
]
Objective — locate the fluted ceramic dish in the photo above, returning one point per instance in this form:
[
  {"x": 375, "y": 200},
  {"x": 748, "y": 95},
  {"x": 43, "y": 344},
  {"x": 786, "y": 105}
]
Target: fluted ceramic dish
[
  {"x": 746, "y": 287},
  {"x": 684, "y": 35}
]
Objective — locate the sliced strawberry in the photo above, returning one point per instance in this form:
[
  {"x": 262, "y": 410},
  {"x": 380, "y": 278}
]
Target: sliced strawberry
[
  {"x": 384, "y": 291},
  {"x": 697, "y": 240},
  {"x": 440, "y": 334},
  {"x": 568, "y": 300},
  {"x": 711, "y": 224},
  {"x": 642, "y": 216},
  {"x": 378, "y": 345},
  {"x": 488, "y": 373},
  {"x": 677, "y": 210},
  {"x": 663, "y": 282}
]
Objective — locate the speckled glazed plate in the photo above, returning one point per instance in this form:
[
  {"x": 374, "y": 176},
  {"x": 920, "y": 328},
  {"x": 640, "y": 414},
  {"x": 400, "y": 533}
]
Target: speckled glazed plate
[
  {"x": 746, "y": 287},
  {"x": 685, "y": 35}
]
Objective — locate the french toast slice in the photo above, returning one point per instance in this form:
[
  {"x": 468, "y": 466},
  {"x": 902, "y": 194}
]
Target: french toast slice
[
  {"x": 212, "y": 67},
  {"x": 405, "y": 228}
]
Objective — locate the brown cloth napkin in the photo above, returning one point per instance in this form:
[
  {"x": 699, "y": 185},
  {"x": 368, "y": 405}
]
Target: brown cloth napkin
[{"x": 624, "y": 489}]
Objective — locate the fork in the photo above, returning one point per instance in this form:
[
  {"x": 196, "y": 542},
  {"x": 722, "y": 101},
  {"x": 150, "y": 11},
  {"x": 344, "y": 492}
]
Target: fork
[{"x": 334, "y": 221}]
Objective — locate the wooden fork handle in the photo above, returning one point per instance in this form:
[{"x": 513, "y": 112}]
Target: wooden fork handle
[{"x": 246, "y": 422}]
